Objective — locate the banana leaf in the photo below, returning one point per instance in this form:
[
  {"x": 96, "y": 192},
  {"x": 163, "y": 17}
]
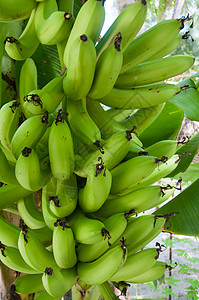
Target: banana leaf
[
  {"x": 166, "y": 126},
  {"x": 185, "y": 221},
  {"x": 190, "y": 175}
]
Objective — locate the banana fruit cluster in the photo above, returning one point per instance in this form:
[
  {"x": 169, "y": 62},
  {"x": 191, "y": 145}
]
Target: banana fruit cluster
[{"x": 94, "y": 175}]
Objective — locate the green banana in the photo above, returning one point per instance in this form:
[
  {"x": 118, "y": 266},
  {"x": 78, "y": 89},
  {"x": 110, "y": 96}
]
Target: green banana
[
  {"x": 29, "y": 212},
  {"x": 42, "y": 146},
  {"x": 52, "y": 26},
  {"x": 12, "y": 258},
  {"x": 47, "y": 99},
  {"x": 97, "y": 188},
  {"x": 7, "y": 174},
  {"x": 27, "y": 82},
  {"x": 27, "y": 43},
  {"x": 152, "y": 274},
  {"x": 154, "y": 71},
  {"x": 135, "y": 150},
  {"x": 132, "y": 172},
  {"x": 118, "y": 114},
  {"x": 81, "y": 123},
  {"x": 89, "y": 21},
  {"x": 9, "y": 233},
  {"x": 28, "y": 171},
  {"x": 150, "y": 42},
  {"x": 65, "y": 6},
  {"x": 12, "y": 11},
  {"x": 12, "y": 193},
  {"x": 165, "y": 148},
  {"x": 34, "y": 252},
  {"x": 63, "y": 245},
  {"x": 44, "y": 234},
  {"x": 27, "y": 284},
  {"x": 136, "y": 264},
  {"x": 45, "y": 296},
  {"x": 64, "y": 201},
  {"x": 86, "y": 230},
  {"x": 58, "y": 282},
  {"x": 104, "y": 267},
  {"x": 107, "y": 69},
  {"x": 115, "y": 225},
  {"x": 80, "y": 67},
  {"x": 128, "y": 22},
  {"x": 9, "y": 116},
  {"x": 29, "y": 133},
  {"x": 60, "y": 146},
  {"x": 140, "y": 97}
]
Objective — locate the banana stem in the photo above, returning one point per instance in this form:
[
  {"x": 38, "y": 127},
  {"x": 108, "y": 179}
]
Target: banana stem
[
  {"x": 106, "y": 292},
  {"x": 80, "y": 290}
]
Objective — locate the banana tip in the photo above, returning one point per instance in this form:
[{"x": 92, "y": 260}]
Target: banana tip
[{"x": 144, "y": 2}]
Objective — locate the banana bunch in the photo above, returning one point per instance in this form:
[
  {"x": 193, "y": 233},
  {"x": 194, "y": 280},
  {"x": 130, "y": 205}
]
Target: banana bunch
[{"x": 88, "y": 165}]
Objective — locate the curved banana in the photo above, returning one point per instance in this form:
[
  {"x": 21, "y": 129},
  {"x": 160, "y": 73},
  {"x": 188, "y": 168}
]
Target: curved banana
[
  {"x": 34, "y": 252},
  {"x": 9, "y": 116},
  {"x": 103, "y": 268},
  {"x": 81, "y": 123},
  {"x": 12, "y": 193},
  {"x": 64, "y": 245},
  {"x": 107, "y": 69},
  {"x": 24, "y": 46},
  {"x": 86, "y": 230},
  {"x": 9, "y": 233},
  {"x": 115, "y": 225},
  {"x": 47, "y": 99},
  {"x": 128, "y": 22},
  {"x": 12, "y": 10},
  {"x": 154, "y": 71},
  {"x": 118, "y": 114},
  {"x": 89, "y": 21},
  {"x": 52, "y": 26},
  {"x": 65, "y": 5},
  {"x": 80, "y": 67},
  {"x": 7, "y": 174},
  {"x": 60, "y": 146},
  {"x": 132, "y": 172},
  {"x": 58, "y": 282},
  {"x": 29, "y": 133},
  {"x": 136, "y": 264},
  {"x": 97, "y": 188},
  {"x": 140, "y": 97},
  {"x": 149, "y": 43},
  {"x": 27, "y": 284},
  {"x": 12, "y": 258},
  {"x": 28, "y": 171},
  {"x": 64, "y": 201},
  {"x": 29, "y": 212},
  {"x": 165, "y": 148},
  {"x": 46, "y": 296}
]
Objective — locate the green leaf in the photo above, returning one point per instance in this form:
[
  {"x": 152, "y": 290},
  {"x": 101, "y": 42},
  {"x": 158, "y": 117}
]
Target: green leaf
[
  {"x": 191, "y": 149},
  {"x": 166, "y": 126},
  {"x": 76, "y": 7},
  {"x": 187, "y": 205},
  {"x": 191, "y": 174},
  {"x": 188, "y": 101}
]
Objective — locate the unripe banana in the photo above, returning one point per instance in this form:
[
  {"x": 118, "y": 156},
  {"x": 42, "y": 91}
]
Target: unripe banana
[
  {"x": 29, "y": 212},
  {"x": 135, "y": 150},
  {"x": 24, "y": 46},
  {"x": 154, "y": 273},
  {"x": 97, "y": 188},
  {"x": 9, "y": 116},
  {"x": 80, "y": 67},
  {"x": 154, "y": 71},
  {"x": 89, "y": 21},
  {"x": 86, "y": 230},
  {"x": 103, "y": 268},
  {"x": 28, "y": 171},
  {"x": 115, "y": 225},
  {"x": 12, "y": 11},
  {"x": 44, "y": 234},
  {"x": 9, "y": 233},
  {"x": 107, "y": 69},
  {"x": 81, "y": 123},
  {"x": 140, "y": 97},
  {"x": 129, "y": 22},
  {"x": 7, "y": 174},
  {"x": 64, "y": 201},
  {"x": 46, "y": 296},
  {"x": 52, "y": 26},
  {"x": 12, "y": 193},
  {"x": 29, "y": 133},
  {"x": 61, "y": 151},
  {"x": 34, "y": 252},
  {"x": 136, "y": 264},
  {"x": 27, "y": 284},
  {"x": 12, "y": 258},
  {"x": 150, "y": 42},
  {"x": 58, "y": 282},
  {"x": 63, "y": 245},
  {"x": 47, "y": 99},
  {"x": 66, "y": 5},
  {"x": 132, "y": 172},
  {"x": 165, "y": 148}
]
